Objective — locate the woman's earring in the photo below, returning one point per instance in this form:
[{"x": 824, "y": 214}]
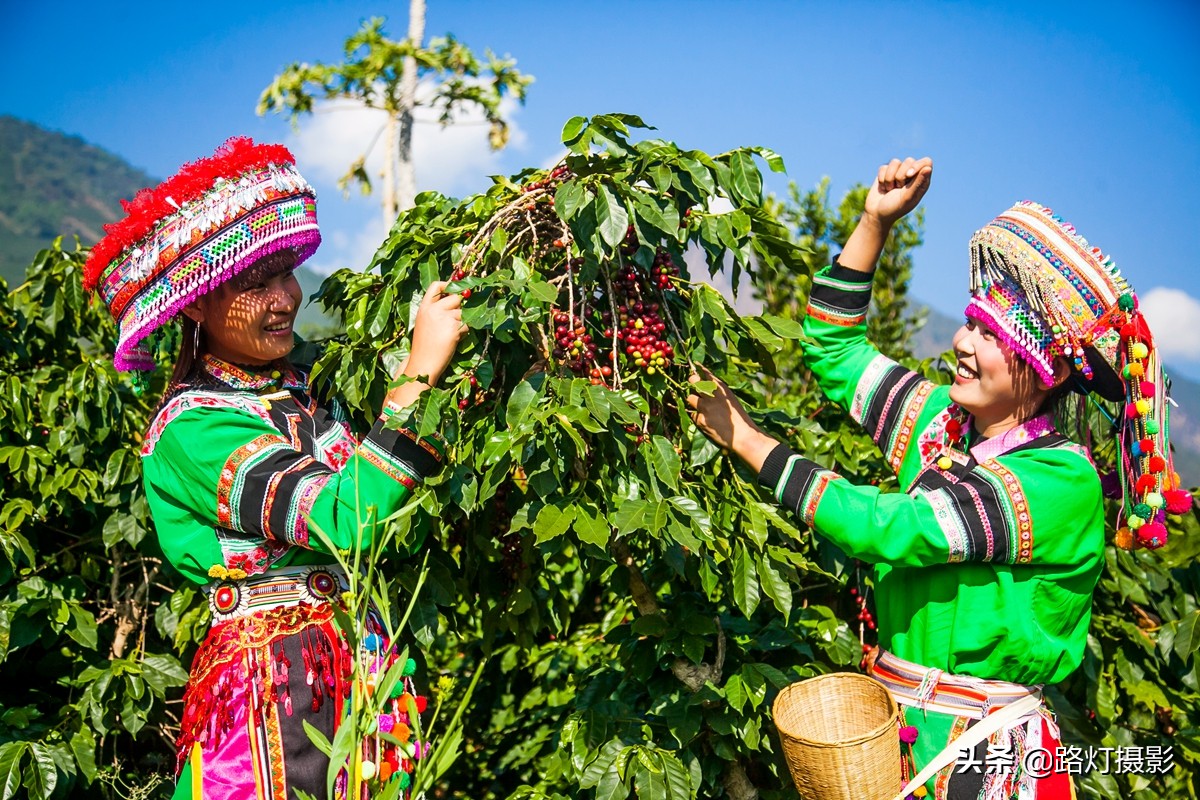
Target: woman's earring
[{"x": 196, "y": 341}]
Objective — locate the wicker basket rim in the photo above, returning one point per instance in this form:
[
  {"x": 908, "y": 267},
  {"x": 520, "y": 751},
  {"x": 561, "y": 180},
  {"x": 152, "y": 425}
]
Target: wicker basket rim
[{"x": 892, "y": 720}]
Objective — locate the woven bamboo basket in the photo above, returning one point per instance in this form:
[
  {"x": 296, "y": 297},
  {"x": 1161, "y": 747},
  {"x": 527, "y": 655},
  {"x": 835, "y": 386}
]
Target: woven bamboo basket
[{"x": 840, "y": 736}]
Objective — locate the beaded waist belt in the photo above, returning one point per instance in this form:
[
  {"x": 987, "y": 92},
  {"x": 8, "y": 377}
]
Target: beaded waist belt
[
  {"x": 276, "y": 588},
  {"x": 934, "y": 690}
]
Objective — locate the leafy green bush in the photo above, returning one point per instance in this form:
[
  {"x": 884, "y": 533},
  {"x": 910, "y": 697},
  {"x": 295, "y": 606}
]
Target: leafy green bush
[{"x": 626, "y": 598}]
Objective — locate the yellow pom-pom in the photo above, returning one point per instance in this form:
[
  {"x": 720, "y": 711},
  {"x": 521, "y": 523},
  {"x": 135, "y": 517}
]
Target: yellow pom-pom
[
  {"x": 368, "y": 770},
  {"x": 1139, "y": 350},
  {"x": 1154, "y": 500},
  {"x": 944, "y": 463},
  {"x": 217, "y": 571},
  {"x": 1136, "y": 522},
  {"x": 1143, "y": 406}
]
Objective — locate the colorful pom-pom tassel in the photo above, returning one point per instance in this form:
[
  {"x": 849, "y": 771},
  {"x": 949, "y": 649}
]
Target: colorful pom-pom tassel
[
  {"x": 1143, "y": 406},
  {"x": 1139, "y": 350},
  {"x": 1152, "y": 535},
  {"x": 1146, "y": 483},
  {"x": 1152, "y": 426},
  {"x": 1136, "y": 522},
  {"x": 1142, "y": 511},
  {"x": 1147, "y": 388},
  {"x": 1136, "y": 370},
  {"x": 1157, "y": 464},
  {"x": 1126, "y": 302},
  {"x": 1131, "y": 411},
  {"x": 1146, "y": 446},
  {"x": 1178, "y": 501},
  {"x": 1154, "y": 500}
]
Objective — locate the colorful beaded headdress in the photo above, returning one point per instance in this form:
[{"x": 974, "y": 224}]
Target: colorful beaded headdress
[
  {"x": 1047, "y": 293},
  {"x": 194, "y": 231}
]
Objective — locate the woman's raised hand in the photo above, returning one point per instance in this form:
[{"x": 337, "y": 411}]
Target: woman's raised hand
[{"x": 898, "y": 188}]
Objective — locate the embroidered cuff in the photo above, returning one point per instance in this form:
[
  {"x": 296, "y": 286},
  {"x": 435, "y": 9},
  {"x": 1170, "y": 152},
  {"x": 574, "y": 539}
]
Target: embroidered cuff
[
  {"x": 840, "y": 295},
  {"x": 796, "y": 482},
  {"x": 400, "y": 447}
]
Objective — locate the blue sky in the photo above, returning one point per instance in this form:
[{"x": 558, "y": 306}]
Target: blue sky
[{"x": 1090, "y": 108}]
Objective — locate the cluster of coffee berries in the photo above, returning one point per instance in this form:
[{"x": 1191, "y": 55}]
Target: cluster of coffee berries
[
  {"x": 664, "y": 270},
  {"x": 642, "y": 436},
  {"x": 458, "y": 275},
  {"x": 641, "y": 329},
  {"x": 864, "y": 614},
  {"x": 474, "y": 398},
  {"x": 573, "y": 345},
  {"x": 560, "y": 173}
]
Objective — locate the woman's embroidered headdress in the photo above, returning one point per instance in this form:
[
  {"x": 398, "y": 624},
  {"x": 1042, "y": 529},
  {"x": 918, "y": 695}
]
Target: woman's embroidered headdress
[
  {"x": 194, "y": 231},
  {"x": 1047, "y": 293}
]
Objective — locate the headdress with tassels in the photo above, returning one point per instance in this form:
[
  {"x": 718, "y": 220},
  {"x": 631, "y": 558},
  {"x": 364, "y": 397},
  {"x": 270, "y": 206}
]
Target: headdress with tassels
[
  {"x": 1047, "y": 293},
  {"x": 207, "y": 223}
]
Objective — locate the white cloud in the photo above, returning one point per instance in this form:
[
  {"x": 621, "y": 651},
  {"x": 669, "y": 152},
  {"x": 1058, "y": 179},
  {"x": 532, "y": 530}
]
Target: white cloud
[
  {"x": 450, "y": 159},
  {"x": 1173, "y": 316}
]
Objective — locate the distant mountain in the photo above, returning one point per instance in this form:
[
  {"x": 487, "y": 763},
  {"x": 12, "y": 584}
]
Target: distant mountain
[
  {"x": 53, "y": 184},
  {"x": 934, "y": 338}
]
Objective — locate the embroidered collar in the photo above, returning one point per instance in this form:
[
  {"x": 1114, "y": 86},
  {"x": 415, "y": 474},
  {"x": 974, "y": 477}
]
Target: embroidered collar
[
  {"x": 281, "y": 376},
  {"x": 1014, "y": 437}
]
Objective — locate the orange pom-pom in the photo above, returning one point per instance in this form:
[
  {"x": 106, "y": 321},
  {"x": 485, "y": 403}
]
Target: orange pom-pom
[
  {"x": 1124, "y": 539},
  {"x": 1136, "y": 370}
]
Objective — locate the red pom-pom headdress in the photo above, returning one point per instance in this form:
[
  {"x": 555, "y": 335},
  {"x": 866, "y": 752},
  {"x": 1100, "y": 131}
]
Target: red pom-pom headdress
[{"x": 202, "y": 226}]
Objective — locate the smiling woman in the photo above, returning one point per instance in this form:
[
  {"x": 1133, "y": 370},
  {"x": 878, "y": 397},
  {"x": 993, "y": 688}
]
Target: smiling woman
[
  {"x": 241, "y": 460},
  {"x": 984, "y": 567}
]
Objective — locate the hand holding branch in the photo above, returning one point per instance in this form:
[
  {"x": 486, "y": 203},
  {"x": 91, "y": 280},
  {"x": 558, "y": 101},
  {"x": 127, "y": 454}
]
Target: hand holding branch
[{"x": 723, "y": 419}]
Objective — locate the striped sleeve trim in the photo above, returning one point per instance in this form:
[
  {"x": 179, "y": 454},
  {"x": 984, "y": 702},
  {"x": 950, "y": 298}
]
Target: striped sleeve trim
[
  {"x": 433, "y": 444},
  {"x": 887, "y": 402},
  {"x": 982, "y": 512},
  {"x": 796, "y": 482},
  {"x": 840, "y": 296}
]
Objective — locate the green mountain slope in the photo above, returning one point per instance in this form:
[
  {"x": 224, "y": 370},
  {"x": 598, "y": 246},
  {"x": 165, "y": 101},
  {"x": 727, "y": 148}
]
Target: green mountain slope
[{"x": 53, "y": 184}]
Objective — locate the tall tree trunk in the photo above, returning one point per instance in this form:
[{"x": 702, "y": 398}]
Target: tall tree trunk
[
  {"x": 406, "y": 179},
  {"x": 389, "y": 173}
]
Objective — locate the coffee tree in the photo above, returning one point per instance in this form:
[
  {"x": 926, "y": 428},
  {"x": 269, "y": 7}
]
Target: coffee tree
[{"x": 585, "y": 519}]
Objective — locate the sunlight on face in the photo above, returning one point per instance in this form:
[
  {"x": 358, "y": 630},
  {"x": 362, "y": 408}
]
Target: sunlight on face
[
  {"x": 248, "y": 320},
  {"x": 992, "y": 382}
]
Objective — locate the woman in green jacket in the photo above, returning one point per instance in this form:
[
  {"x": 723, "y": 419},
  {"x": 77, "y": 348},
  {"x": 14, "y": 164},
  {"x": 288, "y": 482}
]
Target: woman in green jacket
[
  {"x": 986, "y": 562},
  {"x": 241, "y": 463}
]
